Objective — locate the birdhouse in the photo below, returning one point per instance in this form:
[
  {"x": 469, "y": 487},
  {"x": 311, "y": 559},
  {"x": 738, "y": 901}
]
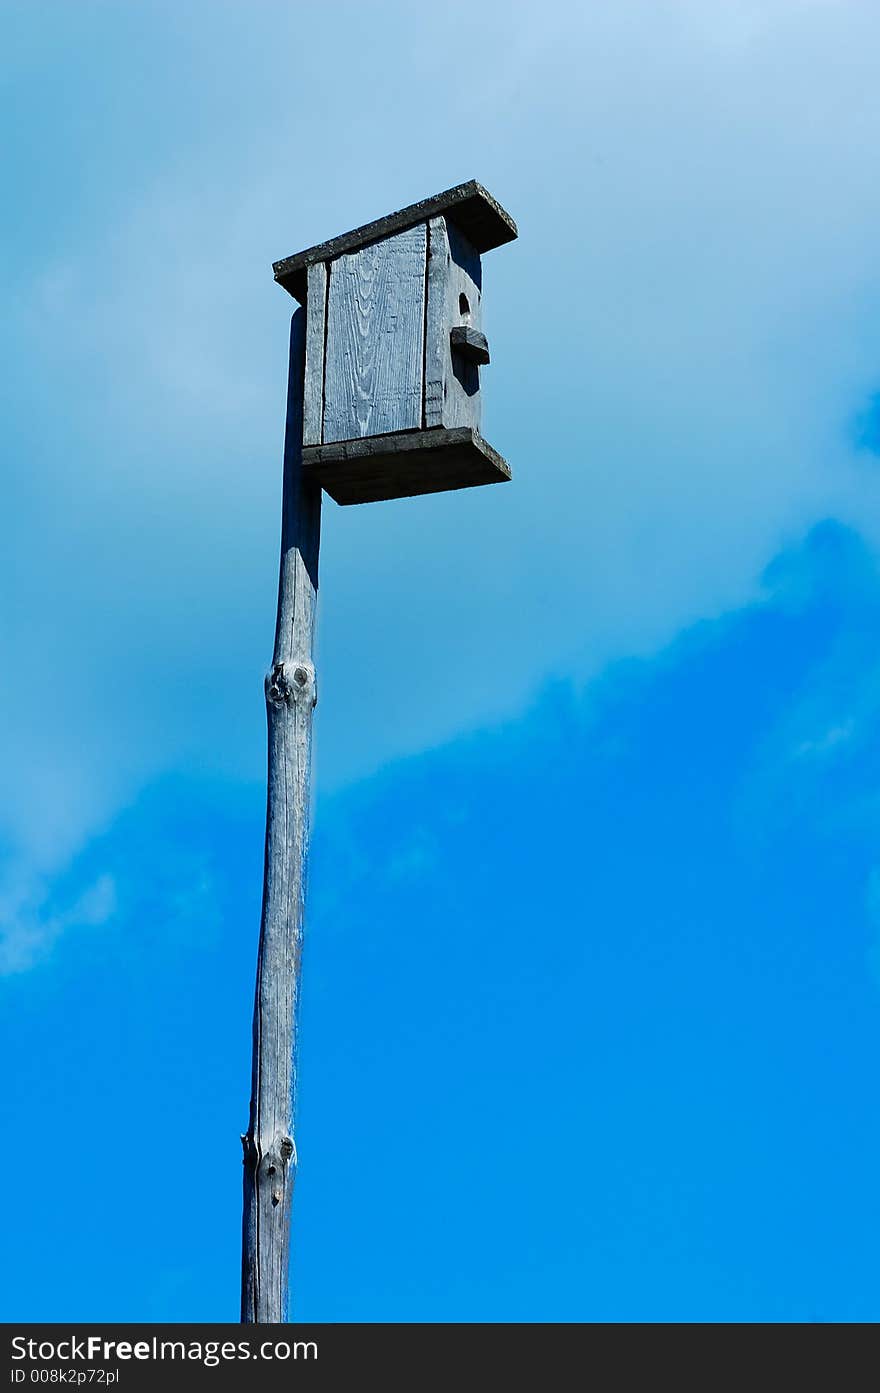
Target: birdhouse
[{"x": 395, "y": 349}]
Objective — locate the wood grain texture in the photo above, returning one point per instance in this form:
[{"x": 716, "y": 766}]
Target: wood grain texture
[
  {"x": 269, "y": 1146},
  {"x": 455, "y": 299},
  {"x": 313, "y": 387},
  {"x": 375, "y": 334},
  {"x": 436, "y": 321},
  {"x": 404, "y": 465},
  {"x": 481, "y": 218}
]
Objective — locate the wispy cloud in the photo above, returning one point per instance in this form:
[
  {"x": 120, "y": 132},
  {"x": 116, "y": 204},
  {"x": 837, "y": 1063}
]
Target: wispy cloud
[
  {"x": 673, "y": 380},
  {"x": 30, "y": 925},
  {"x": 827, "y": 742}
]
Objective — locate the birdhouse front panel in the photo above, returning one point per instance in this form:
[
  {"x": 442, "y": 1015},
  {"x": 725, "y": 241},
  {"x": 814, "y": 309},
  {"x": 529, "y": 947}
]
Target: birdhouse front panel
[
  {"x": 394, "y": 350},
  {"x": 374, "y": 367}
]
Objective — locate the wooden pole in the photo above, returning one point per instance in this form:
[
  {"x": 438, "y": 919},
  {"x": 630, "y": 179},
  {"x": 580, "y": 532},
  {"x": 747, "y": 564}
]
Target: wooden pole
[
  {"x": 269, "y": 1147},
  {"x": 383, "y": 401}
]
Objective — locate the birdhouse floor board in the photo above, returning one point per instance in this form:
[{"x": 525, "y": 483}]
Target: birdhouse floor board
[{"x": 404, "y": 465}]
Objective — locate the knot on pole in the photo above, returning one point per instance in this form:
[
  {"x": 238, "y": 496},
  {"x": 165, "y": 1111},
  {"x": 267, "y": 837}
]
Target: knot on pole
[
  {"x": 292, "y": 683},
  {"x": 275, "y": 1171}
]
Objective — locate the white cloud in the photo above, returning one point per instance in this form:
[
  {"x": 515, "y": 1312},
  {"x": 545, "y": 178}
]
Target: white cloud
[
  {"x": 827, "y": 742},
  {"x": 680, "y": 339},
  {"x": 29, "y": 926}
]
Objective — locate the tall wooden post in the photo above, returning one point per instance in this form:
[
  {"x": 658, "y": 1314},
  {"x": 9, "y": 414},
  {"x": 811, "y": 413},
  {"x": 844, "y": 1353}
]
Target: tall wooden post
[
  {"x": 383, "y": 402},
  {"x": 269, "y": 1146}
]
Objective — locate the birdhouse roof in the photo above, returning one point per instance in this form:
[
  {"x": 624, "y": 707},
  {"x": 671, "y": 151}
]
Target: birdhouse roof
[{"x": 473, "y": 210}]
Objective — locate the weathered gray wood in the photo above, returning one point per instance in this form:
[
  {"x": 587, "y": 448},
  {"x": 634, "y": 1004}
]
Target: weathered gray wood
[
  {"x": 357, "y": 362},
  {"x": 313, "y": 388},
  {"x": 455, "y": 300},
  {"x": 480, "y": 217},
  {"x": 436, "y": 321},
  {"x": 405, "y": 465},
  {"x": 269, "y": 1147},
  {"x": 470, "y": 343},
  {"x": 375, "y": 338}
]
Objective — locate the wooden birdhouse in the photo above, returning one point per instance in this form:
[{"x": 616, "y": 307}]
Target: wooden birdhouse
[{"x": 395, "y": 348}]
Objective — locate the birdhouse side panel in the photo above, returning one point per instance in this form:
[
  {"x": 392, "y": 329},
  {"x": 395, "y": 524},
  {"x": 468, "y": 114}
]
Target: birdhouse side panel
[
  {"x": 313, "y": 391},
  {"x": 452, "y": 382},
  {"x": 373, "y": 377}
]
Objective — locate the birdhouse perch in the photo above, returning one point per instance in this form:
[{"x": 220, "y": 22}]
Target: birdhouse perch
[{"x": 394, "y": 348}]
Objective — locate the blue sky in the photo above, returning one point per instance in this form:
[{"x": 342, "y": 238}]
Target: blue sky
[{"x": 592, "y": 984}]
